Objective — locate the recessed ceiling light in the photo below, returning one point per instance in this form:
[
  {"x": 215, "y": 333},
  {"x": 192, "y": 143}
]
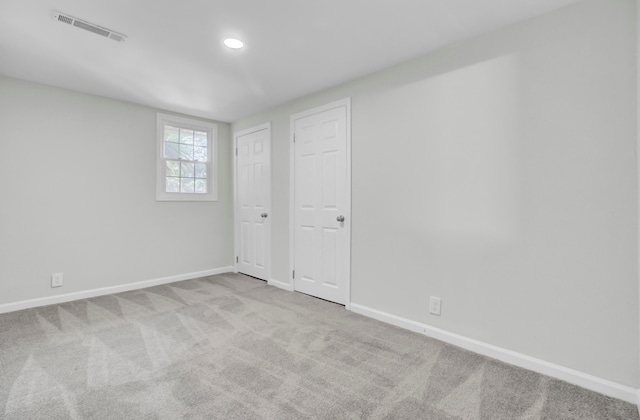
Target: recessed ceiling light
[{"x": 233, "y": 43}]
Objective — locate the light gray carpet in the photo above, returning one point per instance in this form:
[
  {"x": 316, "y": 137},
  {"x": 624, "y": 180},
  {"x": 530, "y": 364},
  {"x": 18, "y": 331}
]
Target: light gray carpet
[{"x": 231, "y": 347}]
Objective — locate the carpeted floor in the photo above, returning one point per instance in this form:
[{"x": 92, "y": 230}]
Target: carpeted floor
[{"x": 231, "y": 347}]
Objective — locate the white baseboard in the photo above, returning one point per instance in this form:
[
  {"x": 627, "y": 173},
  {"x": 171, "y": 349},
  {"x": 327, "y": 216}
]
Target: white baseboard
[
  {"x": 280, "y": 284},
  {"x": 575, "y": 377},
  {"x": 51, "y": 300}
]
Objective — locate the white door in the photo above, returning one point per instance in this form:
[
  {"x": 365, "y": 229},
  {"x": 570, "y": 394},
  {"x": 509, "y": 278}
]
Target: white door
[
  {"x": 321, "y": 250},
  {"x": 253, "y": 201}
]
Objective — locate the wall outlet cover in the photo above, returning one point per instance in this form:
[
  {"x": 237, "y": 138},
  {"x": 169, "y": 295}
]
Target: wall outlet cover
[
  {"x": 57, "y": 280},
  {"x": 435, "y": 305}
]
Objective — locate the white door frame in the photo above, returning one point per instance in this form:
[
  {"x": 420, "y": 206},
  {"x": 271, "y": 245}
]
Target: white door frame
[
  {"x": 292, "y": 165},
  {"x": 236, "y": 209}
]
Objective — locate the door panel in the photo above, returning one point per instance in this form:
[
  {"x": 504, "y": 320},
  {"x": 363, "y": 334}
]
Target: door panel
[
  {"x": 307, "y": 240},
  {"x": 253, "y": 202},
  {"x": 321, "y": 242},
  {"x": 259, "y": 259}
]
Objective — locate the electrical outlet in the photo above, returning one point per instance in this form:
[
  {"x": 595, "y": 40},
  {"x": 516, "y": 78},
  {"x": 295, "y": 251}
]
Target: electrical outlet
[
  {"x": 435, "y": 304},
  {"x": 57, "y": 280}
]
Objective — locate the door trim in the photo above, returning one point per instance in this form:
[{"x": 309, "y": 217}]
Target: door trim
[
  {"x": 346, "y": 102},
  {"x": 236, "y": 210}
]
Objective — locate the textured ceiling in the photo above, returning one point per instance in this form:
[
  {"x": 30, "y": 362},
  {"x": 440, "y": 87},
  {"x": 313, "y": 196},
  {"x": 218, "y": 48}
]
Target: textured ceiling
[{"x": 174, "y": 59}]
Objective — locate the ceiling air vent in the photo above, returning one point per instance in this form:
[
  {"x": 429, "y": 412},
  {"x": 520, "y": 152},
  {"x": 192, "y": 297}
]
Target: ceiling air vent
[{"x": 83, "y": 24}]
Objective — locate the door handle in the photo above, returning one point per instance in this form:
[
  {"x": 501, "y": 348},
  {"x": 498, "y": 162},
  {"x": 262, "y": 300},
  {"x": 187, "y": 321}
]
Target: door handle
[
  {"x": 264, "y": 215},
  {"x": 340, "y": 218}
]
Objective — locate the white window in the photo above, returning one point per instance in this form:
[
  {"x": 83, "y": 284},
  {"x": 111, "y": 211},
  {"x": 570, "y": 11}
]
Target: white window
[{"x": 187, "y": 156}]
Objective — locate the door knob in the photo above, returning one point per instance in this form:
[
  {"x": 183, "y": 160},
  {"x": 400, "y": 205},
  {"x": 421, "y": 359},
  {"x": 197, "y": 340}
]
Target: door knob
[
  {"x": 264, "y": 215},
  {"x": 340, "y": 218}
]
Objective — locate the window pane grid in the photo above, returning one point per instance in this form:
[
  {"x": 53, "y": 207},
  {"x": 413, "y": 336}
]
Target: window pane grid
[
  {"x": 186, "y": 177},
  {"x": 185, "y": 144},
  {"x": 186, "y": 163},
  {"x": 183, "y": 149}
]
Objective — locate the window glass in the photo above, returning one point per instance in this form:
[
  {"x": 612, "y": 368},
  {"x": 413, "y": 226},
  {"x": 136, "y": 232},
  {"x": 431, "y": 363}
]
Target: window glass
[{"x": 186, "y": 168}]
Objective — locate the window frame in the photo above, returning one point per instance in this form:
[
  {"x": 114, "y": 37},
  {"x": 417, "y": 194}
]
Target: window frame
[{"x": 212, "y": 158}]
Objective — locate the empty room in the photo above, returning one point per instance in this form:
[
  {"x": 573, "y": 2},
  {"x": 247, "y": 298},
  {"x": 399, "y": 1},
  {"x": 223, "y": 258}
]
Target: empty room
[{"x": 286, "y": 209}]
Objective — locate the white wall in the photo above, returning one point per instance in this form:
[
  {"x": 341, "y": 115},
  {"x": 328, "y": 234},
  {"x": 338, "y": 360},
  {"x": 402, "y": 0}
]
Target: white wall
[
  {"x": 638, "y": 147},
  {"x": 78, "y": 197},
  {"x": 500, "y": 175}
]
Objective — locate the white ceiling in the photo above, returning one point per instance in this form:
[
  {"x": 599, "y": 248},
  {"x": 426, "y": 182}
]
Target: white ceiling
[{"x": 174, "y": 59}]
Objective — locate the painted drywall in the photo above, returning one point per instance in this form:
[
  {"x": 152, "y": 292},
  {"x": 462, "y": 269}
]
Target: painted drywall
[
  {"x": 638, "y": 152},
  {"x": 498, "y": 174},
  {"x": 78, "y": 197}
]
